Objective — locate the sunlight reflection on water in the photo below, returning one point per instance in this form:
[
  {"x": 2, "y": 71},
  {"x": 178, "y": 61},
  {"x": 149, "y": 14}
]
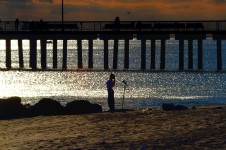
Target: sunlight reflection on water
[{"x": 144, "y": 89}]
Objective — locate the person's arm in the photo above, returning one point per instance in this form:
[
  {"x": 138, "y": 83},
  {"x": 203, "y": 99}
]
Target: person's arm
[{"x": 113, "y": 82}]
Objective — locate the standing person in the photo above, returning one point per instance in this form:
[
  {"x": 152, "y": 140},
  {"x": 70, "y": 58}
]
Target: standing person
[
  {"x": 117, "y": 24},
  {"x": 17, "y": 24},
  {"x": 111, "y": 99}
]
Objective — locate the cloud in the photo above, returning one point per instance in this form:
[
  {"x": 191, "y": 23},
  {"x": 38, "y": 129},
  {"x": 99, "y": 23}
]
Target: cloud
[
  {"x": 107, "y": 10},
  {"x": 49, "y": 1}
]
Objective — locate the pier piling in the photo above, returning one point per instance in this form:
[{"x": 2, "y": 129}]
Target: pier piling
[
  {"x": 115, "y": 55},
  {"x": 200, "y": 54},
  {"x": 181, "y": 55},
  {"x": 163, "y": 53},
  {"x": 20, "y": 53},
  {"x": 64, "y": 54},
  {"x": 219, "y": 55},
  {"x": 54, "y": 53},
  {"x": 33, "y": 53},
  {"x": 43, "y": 54},
  {"x": 8, "y": 54},
  {"x": 153, "y": 46},
  {"x": 126, "y": 56},
  {"x": 90, "y": 61},
  {"x": 143, "y": 54},
  {"x": 106, "y": 66},
  {"x": 79, "y": 46},
  {"x": 190, "y": 54}
]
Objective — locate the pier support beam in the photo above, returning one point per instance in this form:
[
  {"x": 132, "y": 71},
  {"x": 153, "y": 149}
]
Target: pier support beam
[
  {"x": 115, "y": 55},
  {"x": 200, "y": 54},
  {"x": 219, "y": 55},
  {"x": 153, "y": 38},
  {"x": 143, "y": 54},
  {"x": 219, "y": 37},
  {"x": 33, "y": 54},
  {"x": 190, "y": 54},
  {"x": 90, "y": 61},
  {"x": 153, "y": 54},
  {"x": 79, "y": 45},
  {"x": 116, "y": 38},
  {"x": 190, "y": 38},
  {"x": 43, "y": 54},
  {"x": 20, "y": 53},
  {"x": 181, "y": 55},
  {"x": 126, "y": 56},
  {"x": 106, "y": 66},
  {"x": 54, "y": 53},
  {"x": 64, "y": 54},
  {"x": 163, "y": 53},
  {"x": 8, "y": 54}
]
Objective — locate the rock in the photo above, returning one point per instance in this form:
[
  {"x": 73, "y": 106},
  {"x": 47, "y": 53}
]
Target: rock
[
  {"x": 170, "y": 106},
  {"x": 12, "y": 108},
  {"x": 218, "y": 108},
  {"x": 47, "y": 106},
  {"x": 82, "y": 107},
  {"x": 181, "y": 107},
  {"x": 193, "y": 108}
]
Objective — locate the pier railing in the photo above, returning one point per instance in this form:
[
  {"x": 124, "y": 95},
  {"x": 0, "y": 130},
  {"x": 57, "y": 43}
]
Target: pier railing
[
  {"x": 109, "y": 30},
  {"x": 212, "y": 26}
]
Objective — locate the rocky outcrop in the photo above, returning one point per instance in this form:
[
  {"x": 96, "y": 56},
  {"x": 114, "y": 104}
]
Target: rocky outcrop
[
  {"x": 82, "y": 107},
  {"x": 170, "y": 106},
  {"x": 46, "y": 106},
  {"x": 12, "y": 108}
]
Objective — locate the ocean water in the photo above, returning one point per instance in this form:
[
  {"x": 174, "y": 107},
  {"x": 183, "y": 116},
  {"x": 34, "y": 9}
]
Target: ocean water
[{"x": 144, "y": 89}]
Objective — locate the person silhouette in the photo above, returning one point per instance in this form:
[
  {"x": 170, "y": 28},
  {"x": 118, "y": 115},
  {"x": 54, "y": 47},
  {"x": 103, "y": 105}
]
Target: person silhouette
[
  {"x": 17, "y": 22},
  {"x": 139, "y": 25},
  {"x": 111, "y": 100},
  {"x": 41, "y": 24},
  {"x": 117, "y": 24}
]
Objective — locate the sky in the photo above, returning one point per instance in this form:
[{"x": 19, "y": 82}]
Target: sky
[{"x": 106, "y": 10}]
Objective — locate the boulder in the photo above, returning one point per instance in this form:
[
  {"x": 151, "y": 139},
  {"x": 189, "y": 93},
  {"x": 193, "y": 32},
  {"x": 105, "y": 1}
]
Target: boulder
[
  {"x": 46, "y": 106},
  {"x": 82, "y": 107},
  {"x": 170, "y": 106},
  {"x": 181, "y": 107},
  {"x": 12, "y": 108}
]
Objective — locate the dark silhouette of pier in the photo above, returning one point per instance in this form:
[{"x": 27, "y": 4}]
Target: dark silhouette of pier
[{"x": 109, "y": 30}]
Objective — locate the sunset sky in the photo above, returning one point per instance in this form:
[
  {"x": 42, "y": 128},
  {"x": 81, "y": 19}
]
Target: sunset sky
[{"x": 82, "y": 10}]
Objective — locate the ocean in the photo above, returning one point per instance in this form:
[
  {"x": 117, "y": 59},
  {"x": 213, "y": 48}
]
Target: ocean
[{"x": 144, "y": 89}]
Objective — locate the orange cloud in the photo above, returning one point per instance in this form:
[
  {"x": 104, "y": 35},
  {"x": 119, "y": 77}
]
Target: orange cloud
[{"x": 107, "y": 10}]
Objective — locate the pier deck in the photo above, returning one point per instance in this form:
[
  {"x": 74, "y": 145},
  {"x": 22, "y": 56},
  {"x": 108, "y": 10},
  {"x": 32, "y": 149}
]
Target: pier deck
[{"x": 108, "y": 30}]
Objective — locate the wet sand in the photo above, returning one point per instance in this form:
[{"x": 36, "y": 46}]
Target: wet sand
[{"x": 201, "y": 128}]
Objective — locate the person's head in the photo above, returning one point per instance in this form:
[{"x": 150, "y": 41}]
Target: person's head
[{"x": 112, "y": 76}]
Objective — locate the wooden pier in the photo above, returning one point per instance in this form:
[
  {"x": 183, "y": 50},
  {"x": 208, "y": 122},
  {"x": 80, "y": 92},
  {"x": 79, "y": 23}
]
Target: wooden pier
[{"x": 143, "y": 31}]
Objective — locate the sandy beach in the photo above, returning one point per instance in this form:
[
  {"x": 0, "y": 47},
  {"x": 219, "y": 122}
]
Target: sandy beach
[{"x": 201, "y": 128}]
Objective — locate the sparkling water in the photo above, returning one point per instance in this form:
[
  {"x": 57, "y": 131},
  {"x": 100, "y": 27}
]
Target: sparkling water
[{"x": 145, "y": 89}]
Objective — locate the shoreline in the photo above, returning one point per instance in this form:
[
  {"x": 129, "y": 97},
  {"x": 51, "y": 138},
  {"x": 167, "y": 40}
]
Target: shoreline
[{"x": 200, "y": 128}]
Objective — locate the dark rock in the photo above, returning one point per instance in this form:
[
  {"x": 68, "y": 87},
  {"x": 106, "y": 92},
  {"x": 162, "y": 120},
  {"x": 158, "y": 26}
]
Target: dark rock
[
  {"x": 47, "y": 106},
  {"x": 193, "y": 108},
  {"x": 181, "y": 107},
  {"x": 219, "y": 108},
  {"x": 170, "y": 106},
  {"x": 82, "y": 107},
  {"x": 12, "y": 108}
]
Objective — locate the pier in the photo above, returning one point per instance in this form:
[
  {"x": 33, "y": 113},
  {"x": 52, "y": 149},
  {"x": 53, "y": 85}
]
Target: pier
[{"x": 106, "y": 30}]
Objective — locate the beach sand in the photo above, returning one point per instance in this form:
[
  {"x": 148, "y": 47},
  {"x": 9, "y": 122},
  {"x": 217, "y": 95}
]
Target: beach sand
[{"x": 201, "y": 128}]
